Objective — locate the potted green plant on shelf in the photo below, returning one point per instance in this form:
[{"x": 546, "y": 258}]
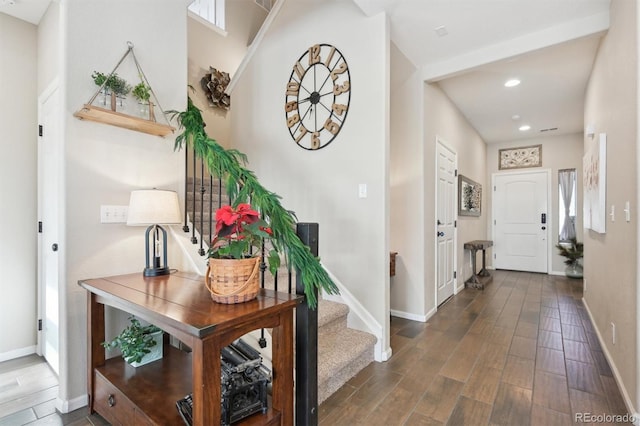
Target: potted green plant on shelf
[
  {"x": 111, "y": 85},
  {"x": 139, "y": 344},
  {"x": 573, "y": 251},
  {"x": 142, "y": 92},
  {"x": 242, "y": 186}
]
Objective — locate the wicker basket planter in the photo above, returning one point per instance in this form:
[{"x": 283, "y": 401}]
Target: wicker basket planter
[{"x": 233, "y": 280}]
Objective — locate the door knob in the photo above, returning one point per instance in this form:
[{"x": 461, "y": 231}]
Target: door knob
[
  {"x": 54, "y": 247},
  {"x": 440, "y": 234},
  {"x": 544, "y": 227}
]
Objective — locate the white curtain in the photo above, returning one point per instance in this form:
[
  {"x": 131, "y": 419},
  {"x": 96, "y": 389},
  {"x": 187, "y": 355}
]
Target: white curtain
[{"x": 567, "y": 180}]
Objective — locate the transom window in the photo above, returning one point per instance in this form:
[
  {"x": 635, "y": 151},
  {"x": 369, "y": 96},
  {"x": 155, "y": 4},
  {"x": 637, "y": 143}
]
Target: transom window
[
  {"x": 211, "y": 11},
  {"x": 266, "y": 4}
]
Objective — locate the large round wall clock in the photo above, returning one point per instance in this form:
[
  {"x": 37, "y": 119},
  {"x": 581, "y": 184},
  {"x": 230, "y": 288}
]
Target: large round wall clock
[{"x": 317, "y": 97}]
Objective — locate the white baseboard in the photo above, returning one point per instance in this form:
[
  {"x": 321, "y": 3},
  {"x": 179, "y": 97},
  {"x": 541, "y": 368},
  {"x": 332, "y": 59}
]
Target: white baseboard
[
  {"x": 67, "y": 406},
  {"x": 413, "y": 317},
  {"x": 616, "y": 374},
  {"x": 17, "y": 353},
  {"x": 560, "y": 273},
  {"x": 385, "y": 355}
]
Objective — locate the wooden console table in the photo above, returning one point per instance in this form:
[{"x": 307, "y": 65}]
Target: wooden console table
[
  {"x": 181, "y": 305},
  {"x": 483, "y": 277}
]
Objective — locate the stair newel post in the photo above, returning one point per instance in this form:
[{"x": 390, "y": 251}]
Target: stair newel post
[{"x": 306, "y": 341}]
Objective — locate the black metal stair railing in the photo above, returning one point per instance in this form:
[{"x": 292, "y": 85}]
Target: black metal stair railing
[{"x": 306, "y": 341}]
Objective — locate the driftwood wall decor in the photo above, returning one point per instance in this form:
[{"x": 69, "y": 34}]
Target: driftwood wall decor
[{"x": 214, "y": 84}]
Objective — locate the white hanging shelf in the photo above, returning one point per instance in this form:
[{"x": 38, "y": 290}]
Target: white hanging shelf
[{"x": 107, "y": 116}]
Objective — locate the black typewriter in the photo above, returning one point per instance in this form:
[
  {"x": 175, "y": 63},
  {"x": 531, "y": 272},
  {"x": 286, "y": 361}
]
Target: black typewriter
[{"x": 244, "y": 383}]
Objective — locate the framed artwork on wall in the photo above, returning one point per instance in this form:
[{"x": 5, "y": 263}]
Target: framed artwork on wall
[
  {"x": 518, "y": 158},
  {"x": 594, "y": 178},
  {"x": 469, "y": 197}
]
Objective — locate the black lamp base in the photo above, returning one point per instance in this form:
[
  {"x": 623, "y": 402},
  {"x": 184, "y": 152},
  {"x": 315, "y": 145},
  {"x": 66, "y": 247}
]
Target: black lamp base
[
  {"x": 156, "y": 272},
  {"x": 156, "y": 262}
]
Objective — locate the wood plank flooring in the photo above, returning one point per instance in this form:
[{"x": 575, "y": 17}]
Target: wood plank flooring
[
  {"x": 521, "y": 352},
  {"x": 28, "y": 392}
]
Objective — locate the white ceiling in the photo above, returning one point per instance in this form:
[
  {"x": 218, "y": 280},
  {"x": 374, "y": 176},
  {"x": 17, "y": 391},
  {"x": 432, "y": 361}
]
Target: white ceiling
[
  {"x": 27, "y": 10},
  {"x": 548, "y": 44}
]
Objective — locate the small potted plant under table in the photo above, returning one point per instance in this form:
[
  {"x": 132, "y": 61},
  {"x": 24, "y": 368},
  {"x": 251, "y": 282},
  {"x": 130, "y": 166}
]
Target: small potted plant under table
[{"x": 139, "y": 344}]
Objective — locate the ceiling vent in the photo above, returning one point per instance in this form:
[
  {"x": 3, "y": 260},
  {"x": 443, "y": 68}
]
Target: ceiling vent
[{"x": 550, "y": 129}]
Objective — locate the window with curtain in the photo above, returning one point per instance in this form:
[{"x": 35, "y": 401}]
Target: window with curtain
[{"x": 567, "y": 204}]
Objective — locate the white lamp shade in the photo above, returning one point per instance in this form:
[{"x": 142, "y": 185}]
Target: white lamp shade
[{"x": 153, "y": 207}]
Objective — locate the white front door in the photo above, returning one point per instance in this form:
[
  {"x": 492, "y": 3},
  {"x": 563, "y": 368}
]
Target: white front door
[
  {"x": 48, "y": 200},
  {"x": 445, "y": 221},
  {"x": 521, "y": 221}
]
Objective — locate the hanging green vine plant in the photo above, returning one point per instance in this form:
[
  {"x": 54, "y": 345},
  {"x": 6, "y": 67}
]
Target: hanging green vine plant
[{"x": 242, "y": 185}]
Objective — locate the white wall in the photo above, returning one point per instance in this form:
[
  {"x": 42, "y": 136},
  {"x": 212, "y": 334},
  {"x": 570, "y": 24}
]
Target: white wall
[
  {"x": 322, "y": 186},
  {"x": 406, "y": 173},
  {"x": 209, "y": 48},
  {"x": 442, "y": 120},
  {"x": 558, "y": 152},
  {"x": 102, "y": 163},
  {"x": 18, "y": 109},
  {"x": 610, "y": 259}
]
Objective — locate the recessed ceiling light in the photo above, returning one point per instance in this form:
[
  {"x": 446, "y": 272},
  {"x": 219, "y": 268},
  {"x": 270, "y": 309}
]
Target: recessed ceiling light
[
  {"x": 441, "y": 31},
  {"x": 512, "y": 83},
  {"x": 524, "y": 128},
  {"x": 515, "y": 117}
]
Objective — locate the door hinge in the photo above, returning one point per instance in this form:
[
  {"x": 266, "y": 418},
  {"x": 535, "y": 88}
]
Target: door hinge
[
  {"x": 40, "y": 227},
  {"x": 494, "y": 188},
  {"x": 494, "y": 255},
  {"x": 494, "y": 221},
  {"x": 455, "y": 274},
  {"x": 40, "y": 129},
  {"x": 456, "y": 172},
  {"x": 39, "y": 325},
  {"x": 455, "y": 223}
]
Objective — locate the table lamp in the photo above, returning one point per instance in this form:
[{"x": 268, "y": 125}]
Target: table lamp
[{"x": 154, "y": 207}]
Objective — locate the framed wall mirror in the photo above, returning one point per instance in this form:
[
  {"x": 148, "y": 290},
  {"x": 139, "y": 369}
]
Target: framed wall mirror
[{"x": 469, "y": 197}]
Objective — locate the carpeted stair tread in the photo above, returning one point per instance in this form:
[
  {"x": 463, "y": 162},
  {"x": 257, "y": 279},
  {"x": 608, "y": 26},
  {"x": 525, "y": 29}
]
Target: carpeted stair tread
[
  {"x": 341, "y": 355},
  {"x": 332, "y": 316}
]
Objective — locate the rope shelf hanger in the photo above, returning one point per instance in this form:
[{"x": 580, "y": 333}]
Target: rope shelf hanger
[{"x": 110, "y": 116}]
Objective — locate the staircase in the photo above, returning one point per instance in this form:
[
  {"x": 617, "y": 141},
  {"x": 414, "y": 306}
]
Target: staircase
[{"x": 342, "y": 351}]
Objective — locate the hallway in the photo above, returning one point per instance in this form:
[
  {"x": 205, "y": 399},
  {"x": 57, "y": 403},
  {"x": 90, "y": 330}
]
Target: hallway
[{"x": 521, "y": 352}]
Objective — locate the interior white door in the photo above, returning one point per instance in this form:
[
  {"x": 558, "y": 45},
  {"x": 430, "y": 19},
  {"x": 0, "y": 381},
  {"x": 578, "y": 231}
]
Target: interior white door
[
  {"x": 445, "y": 221},
  {"x": 48, "y": 212},
  {"x": 521, "y": 221}
]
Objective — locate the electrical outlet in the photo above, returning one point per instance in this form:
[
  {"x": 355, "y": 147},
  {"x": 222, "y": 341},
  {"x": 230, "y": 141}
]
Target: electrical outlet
[
  {"x": 613, "y": 333},
  {"x": 113, "y": 214}
]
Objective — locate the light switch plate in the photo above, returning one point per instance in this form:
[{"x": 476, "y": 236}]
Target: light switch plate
[
  {"x": 362, "y": 190},
  {"x": 113, "y": 214}
]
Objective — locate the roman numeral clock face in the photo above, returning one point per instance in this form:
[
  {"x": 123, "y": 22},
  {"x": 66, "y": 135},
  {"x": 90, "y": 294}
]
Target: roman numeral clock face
[{"x": 317, "y": 97}]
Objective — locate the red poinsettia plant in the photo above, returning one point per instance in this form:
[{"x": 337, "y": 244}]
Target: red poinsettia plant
[{"x": 239, "y": 233}]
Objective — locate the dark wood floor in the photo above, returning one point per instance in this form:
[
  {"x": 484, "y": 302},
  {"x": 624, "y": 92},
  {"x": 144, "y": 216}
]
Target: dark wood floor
[{"x": 521, "y": 352}]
